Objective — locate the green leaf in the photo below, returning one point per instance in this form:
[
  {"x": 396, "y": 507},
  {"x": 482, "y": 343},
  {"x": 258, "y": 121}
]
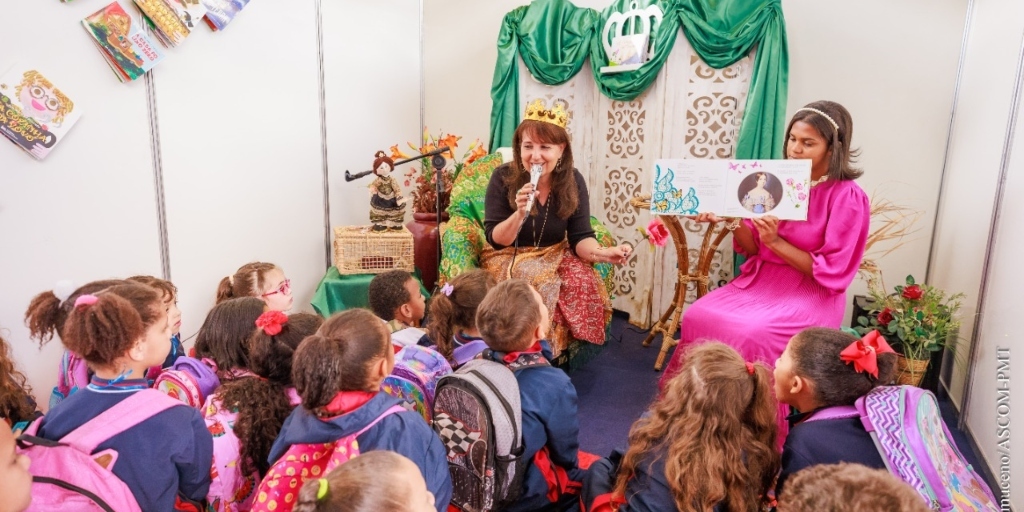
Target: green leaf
[
  {"x": 910, "y": 280},
  {"x": 862, "y": 320}
]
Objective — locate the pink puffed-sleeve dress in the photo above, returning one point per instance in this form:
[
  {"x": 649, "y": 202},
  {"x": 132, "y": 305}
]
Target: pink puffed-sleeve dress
[{"x": 759, "y": 311}]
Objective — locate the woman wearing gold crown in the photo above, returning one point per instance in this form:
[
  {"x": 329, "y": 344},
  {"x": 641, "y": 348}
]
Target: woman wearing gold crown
[{"x": 553, "y": 245}]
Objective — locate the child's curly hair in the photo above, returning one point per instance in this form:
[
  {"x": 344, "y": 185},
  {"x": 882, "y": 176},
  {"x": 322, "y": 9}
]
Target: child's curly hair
[
  {"x": 387, "y": 293},
  {"x": 262, "y": 403},
  {"x": 715, "y": 426},
  {"x": 16, "y": 403},
  {"x": 47, "y": 314},
  {"x": 848, "y": 488}
]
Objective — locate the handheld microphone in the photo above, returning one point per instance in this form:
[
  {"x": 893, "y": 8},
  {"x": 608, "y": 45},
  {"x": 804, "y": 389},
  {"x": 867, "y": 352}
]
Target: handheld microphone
[{"x": 535, "y": 173}]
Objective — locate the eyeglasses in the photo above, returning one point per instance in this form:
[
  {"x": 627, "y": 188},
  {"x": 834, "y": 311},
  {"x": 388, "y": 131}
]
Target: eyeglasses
[
  {"x": 284, "y": 289},
  {"x": 39, "y": 93}
]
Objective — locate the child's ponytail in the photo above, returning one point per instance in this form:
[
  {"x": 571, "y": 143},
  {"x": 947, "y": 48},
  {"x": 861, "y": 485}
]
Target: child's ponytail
[
  {"x": 224, "y": 291},
  {"x": 760, "y": 419},
  {"x": 47, "y": 313},
  {"x": 440, "y": 328},
  {"x": 455, "y": 307},
  {"x": 102, "y": 327}
]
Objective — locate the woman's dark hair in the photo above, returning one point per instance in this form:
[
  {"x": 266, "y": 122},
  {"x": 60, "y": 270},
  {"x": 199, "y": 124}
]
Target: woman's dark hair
[
  {"x": 225, "y": 333},
  {"x": 815, "y": 354},
  {"x": 563, "y": 179},
  {"x": 105, "y": 330},
  {"x": 250, "y": 280},
  {"x": 840, "y": 166},
  {"x": 339, "y": 357},
  {"x": 262, "y": 401},
  {"x": 458, "y": 309},
  {"x": 46, "y": 314}
]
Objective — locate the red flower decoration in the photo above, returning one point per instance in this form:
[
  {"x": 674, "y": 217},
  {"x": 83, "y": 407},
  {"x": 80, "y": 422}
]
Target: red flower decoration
[
  {"x": 912, "y": 292},
  {"x": 884, "y": 317},
  {"x": 657, "y": 233},
  {"x": 863, "y": 353},
  {"x": 271, "y": 322}
]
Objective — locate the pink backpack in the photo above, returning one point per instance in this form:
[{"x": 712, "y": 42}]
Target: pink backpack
[
  {"x": 279, "y": 490},
  {"x": 907, "y": 428},
  {"x": 72, "y": 374},
  {"x": 189, "y": 380},
  {"x": 67, "y": 475}
]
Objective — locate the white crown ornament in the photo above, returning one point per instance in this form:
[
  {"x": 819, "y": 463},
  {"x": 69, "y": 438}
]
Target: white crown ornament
[{"x": 627, "y": 37}]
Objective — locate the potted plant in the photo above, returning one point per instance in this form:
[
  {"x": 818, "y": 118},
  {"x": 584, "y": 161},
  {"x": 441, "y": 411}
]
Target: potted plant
[
  {"x": 917, "y": 321},
  {"x": 423, "y": 181}
]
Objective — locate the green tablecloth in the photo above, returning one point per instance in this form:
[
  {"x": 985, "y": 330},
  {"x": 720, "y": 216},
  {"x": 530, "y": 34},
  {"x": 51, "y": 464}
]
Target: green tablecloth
[{"x": 338, "y": 292}]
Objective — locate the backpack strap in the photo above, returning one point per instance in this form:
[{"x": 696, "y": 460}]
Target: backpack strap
[
  {"x": 394, "y": 409},
  {"x": 834, "y": 413},
  {"x": 129, "y": 412}
]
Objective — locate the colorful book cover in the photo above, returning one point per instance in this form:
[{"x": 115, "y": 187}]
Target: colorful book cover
[
  {"x": 190, "y": 12},
  {"x": 128, "y": 50},
  {"x": 34, "y": 114},
  {"x": 220, "y": 12},
  {"x": 171, "y": 29}
]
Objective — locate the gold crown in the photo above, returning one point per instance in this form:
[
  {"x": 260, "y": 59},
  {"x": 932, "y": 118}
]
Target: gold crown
[{"x": 557, "y": 116}]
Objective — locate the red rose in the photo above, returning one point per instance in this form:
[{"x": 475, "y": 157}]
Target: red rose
[
  {"x": 884, "y": 317},
  {"x": 912, "y": 292}
]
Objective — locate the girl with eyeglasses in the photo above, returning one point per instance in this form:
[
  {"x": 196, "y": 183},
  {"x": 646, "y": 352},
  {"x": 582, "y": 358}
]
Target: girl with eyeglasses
[{"x": 264, "y": 281}]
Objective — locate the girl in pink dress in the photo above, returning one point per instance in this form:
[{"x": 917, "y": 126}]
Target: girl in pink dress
[{"x": 797, "y": 273}]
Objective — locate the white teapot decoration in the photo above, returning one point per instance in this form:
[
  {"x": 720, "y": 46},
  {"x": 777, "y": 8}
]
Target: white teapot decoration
[{"x": 627, "y": 37}]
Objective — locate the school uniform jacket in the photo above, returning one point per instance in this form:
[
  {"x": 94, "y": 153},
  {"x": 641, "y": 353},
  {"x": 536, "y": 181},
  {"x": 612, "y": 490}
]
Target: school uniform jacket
[
  {"x": 551, "y": 437},
  {"x": 405, "y": 433},
  {"x": 827, "y": 442},
  {"x": 168, "y": 452},
  {"x": 648, "y": 491}
]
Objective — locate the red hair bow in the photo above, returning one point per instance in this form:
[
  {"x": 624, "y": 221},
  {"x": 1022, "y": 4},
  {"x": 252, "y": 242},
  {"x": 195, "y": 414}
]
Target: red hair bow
[
  {"x": 863, "y": 353},
  {"x": 271, "y": 322}
]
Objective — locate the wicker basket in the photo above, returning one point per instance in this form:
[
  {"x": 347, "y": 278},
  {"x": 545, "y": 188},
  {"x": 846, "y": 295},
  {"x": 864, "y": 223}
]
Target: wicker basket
[{"x": 360, "y": 250}]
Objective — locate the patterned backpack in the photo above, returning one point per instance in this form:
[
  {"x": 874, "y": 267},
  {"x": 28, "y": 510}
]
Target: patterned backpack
[
  {"x": 478, "y": 415},
  {"x": 279, "y": 490},
  {"x": 230, "y": 489},
  {"x": 907, "y": 428},
  {"x": 414, "y": 378},
  {"x": 67, "y": 475},
  {"x": 72, "y": 374},
  {"x": 190, "y": 381}
]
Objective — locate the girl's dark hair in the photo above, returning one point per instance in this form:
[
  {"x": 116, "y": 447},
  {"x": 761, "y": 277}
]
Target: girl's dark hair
[
  {"x": 508, "y": 315},
  {"x": 815, "y": 354},
  {"x": 457, "y": 310},
  {"x": 363, "y": 484},
  {"x": 840, "y": 166},
  {"x": 715, "y": 426},
  {"x": 250, "y": 280},
  {"x": 339, "y": 357},
  {"x": 225, "y": 333},
  {"x": 387, "y": 293},
  {"x": 46, "y": 314},
  {"x": 262, "y": 402},
  {"x": 16, "y": 403},
  {"x": 104, "y": 331},
  {"x": 563, "y": 178}
]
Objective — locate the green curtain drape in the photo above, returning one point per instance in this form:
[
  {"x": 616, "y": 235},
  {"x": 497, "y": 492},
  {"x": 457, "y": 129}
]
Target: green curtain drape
[{"x": 554, "y": 38}]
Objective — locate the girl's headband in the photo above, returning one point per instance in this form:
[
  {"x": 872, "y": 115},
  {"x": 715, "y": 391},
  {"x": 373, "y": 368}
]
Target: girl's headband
[{"x": 822, "y": 114}]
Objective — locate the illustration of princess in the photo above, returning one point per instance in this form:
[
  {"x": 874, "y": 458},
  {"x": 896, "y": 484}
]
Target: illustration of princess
[
  {"x": 759, "y": 199},
  {"x": 387, "y": 206}
]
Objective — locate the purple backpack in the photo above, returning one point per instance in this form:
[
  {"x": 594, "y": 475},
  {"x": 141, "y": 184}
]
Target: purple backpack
[
  {"x": 414, "y": 378},
  {"x": 67, "y": 475},
  {"x": 905, "y": 424},
  {"x": 190, "y": 381}
]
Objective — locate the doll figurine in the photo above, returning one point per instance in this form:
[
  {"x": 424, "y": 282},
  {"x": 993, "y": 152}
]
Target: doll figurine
[{"x": 387, "y": 206}]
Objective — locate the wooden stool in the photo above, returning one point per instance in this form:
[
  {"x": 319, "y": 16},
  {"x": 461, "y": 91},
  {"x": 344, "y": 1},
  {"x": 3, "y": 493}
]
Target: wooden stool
[{"x": 669, "y": 321}]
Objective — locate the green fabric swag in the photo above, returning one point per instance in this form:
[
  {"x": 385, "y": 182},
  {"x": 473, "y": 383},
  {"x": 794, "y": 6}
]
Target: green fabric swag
[{"x": 554, "y": 38}]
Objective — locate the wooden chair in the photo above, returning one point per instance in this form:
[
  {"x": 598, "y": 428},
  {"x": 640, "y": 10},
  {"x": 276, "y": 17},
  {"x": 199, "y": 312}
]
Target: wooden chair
[{"x": 669, "y": 321}]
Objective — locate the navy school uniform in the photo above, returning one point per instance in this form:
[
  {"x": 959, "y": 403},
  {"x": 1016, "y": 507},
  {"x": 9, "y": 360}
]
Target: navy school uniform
[
  {"x": 167, "y": 453},
  {"x": 405, "y": 433},
  {"x": 829, "y": 441},
  {"x": 551, "y": 438},
  {"x": 647, "y": 491}
]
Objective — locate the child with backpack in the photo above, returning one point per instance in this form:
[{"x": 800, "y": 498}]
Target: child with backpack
[
  {"x": 372, "y": 482},
  {"x": 15, "y": 480},
  {"x": 338, "y": 373},
  {"x": 848, "y": 487},
  {"x": 245, "y": 415},
  {"x": 262, "y": 280},
  {"x": 453, "y": 317},
  {"x": 707, "y": 442},
  {"x": 145, "y": 450},
  {"x": 848, "y": 414},
  {"x": 538, "y": 467}
]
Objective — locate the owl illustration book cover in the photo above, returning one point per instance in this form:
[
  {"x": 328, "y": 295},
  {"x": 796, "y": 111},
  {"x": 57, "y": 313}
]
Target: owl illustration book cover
[
  {"x": 121, "y": 40},
  {"x": 34, "y": 114}
]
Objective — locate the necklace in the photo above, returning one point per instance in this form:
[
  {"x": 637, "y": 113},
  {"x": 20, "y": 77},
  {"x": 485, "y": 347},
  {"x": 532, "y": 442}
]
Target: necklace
[
  {"x": 536, "y": 235},
  {"x": 819, "y": 181}
]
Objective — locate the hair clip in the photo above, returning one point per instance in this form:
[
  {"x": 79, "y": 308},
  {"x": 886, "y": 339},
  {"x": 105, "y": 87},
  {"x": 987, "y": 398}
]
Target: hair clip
[
  {"x": 863, "y": 353},
  {"x": 447, "y": 289},
  {"x": 271, "y": 322},
  {"x": 321, "y": 492},
  {"x": 750, "y": 367},
  {"x": 63, "y": 289},
  {"x": 86, "y": 300}
]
